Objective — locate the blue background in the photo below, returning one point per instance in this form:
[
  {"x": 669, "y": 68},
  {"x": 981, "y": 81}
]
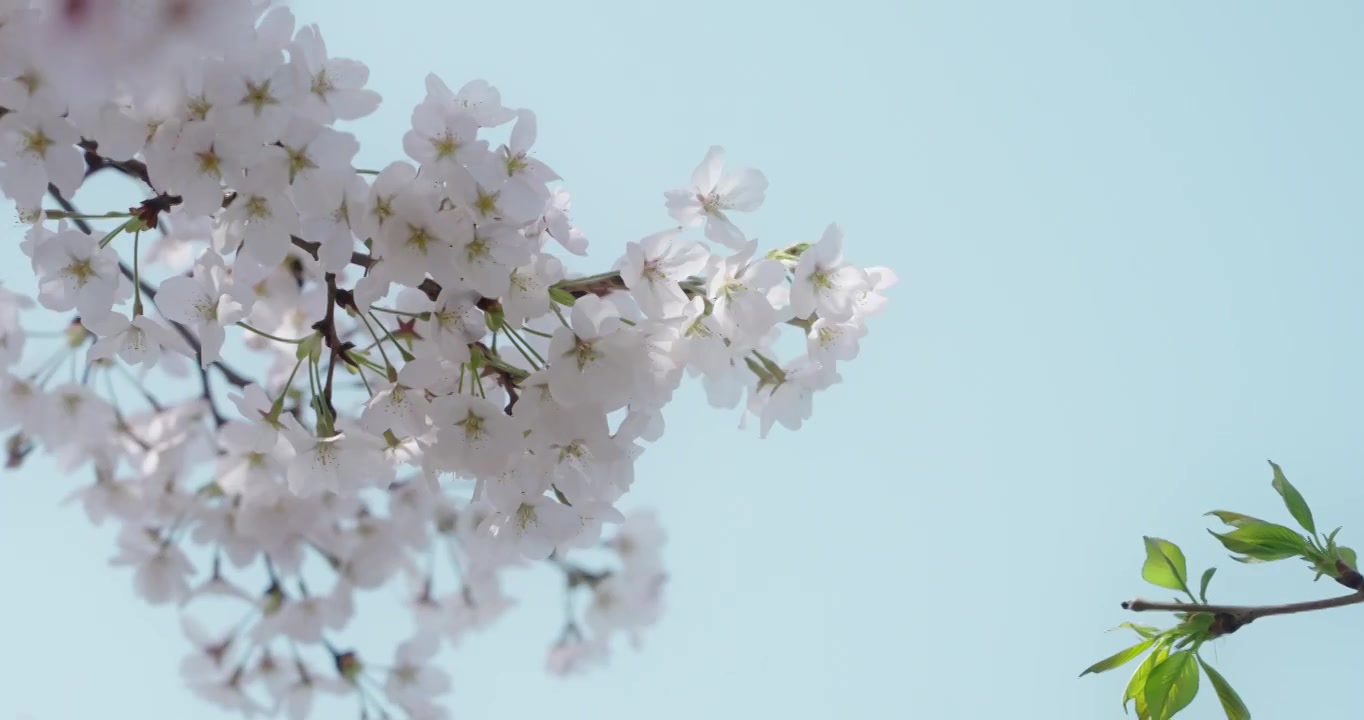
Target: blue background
[{"x": 1128, "y": 242}]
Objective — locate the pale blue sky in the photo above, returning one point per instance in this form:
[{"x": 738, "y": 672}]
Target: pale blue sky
[{"x": 1127, "y": 236}]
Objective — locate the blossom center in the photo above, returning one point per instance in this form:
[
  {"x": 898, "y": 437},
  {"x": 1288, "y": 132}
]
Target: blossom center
[
  {"x": 515, "y": 163},
  {"x": 209, "y": 163},
  {"x": 257, "y": 208},
  {"x": 477, "y": 249},
  {"x": 525, "y": 515},
  {"x": 258, "y": 96},
  {"x": 81, "y": 270},
  {"x": 322, "y": 85},
  {"x": 30, "y": 80},
  {"x": 473, "y": 426},
  {"x": 197, "y": 107},
  {"x": 37, "y": 142},
  {"x": 298, "y": 161},
  {"x": 486, "y": 202},
  {"x": 446, "y": 146},
  {"x": 711, "y": 203},
  {"x": 585, "y": 352}
]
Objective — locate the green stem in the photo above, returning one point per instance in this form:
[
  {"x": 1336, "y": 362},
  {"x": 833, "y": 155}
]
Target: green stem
[
  {"x": 137, "y": 276},
  {"x": 324, "y": 422},
  {"x": 64, "y": 215},
  {"x": 362, "y": 360},
  {"x": 407, "y": 356},
  {"x": 388, "y": 366},
  {"x": 560, "y": 313},
  {"x": 114, "y": 233},
  {"x": 522, "y": 346},
  {"x": 492, "y": 360},
  {"x": 276, "y": 338},
  {"x": 390, "y": 311},
  {"x": 361, "y": 372},
  {"x": 279, "y": 401}
]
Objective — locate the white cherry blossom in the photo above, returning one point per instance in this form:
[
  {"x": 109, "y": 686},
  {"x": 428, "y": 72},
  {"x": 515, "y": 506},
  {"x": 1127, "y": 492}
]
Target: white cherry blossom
[
  {"x": 200, "y": 301},
  {"x": 714, "y": 194},
  {"x": 75, "y": 272},
  {"x": 824, "y": 283},
  {"x": 654, "y": 268}
]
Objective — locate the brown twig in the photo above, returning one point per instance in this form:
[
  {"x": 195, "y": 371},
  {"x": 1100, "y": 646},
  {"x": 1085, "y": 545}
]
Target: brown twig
[
  {"x": 94, "y": 162},
  {"x": 1244, "y": 613},
  {"x": 206, "y": 391},
  {"x": 602, "y": 284},
  {"x": 339, "y": 348}
]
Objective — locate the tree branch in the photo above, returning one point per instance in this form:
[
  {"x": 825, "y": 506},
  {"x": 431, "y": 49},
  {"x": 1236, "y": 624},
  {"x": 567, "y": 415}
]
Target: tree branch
[
  {"x": 1244, "y": 613},
  {"x": 94, "y": 162},
  {"x": 600, "y": 284},
  {"x": 229, "y": 374},
  {"x": 340, "y": 349}
]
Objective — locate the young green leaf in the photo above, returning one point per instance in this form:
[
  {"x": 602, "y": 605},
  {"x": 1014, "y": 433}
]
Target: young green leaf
[
  {"x": 1348, "y": 556},
  {"x": 1297, "y": 506},
  {"x": 1231, "y": 702},
  {"x": 1203, "y": 585},
  {"x": 561, "y": 296},
  {"x": 1136, "y": 687},
  {"x": 1146, "y": 631},
  {"x": 1165, "y": 566},
  {"x": 1118, "y": 659},
  {"x": 1264, "y": 542},
  {"x": 1236, "y": 519},
  {"x": 1195, "y": 627},
  {"x": 1172, "y": 685}
]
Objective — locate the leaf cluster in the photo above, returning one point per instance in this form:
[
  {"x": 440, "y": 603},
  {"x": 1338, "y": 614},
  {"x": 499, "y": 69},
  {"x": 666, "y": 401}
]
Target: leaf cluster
[{"x": 1168, "y": 679}]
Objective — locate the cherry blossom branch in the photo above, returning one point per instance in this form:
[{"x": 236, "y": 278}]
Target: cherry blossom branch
[
  {"x": 613, "y": 369},
  {"x": 94, "y": 162},
  {"x": 327, "y": 326},
  {"x": 147, "y": 212},
  {"x": 600, "y": 284},
  {"x": 206, "y": 389},
  {"x": 230, "y": 375}
]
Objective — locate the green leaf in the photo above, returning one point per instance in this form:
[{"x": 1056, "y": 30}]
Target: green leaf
[
  {"x": 1264, "y": 542},
  {"x": 1146, "y": 631},
  {"x": 760, "y": 371},
  {"x": 494, "y": 320},
  {"x": 1203, "y": 585},
  {"x": 1165, "y": 566},
  {"x": 1236, "y": 519},
  {"x": 1118, "y": 659},
  {"x": 1348, "y": 556},
  {"x": 1297, "y": 506},
  {"x": 1172, "y": 685},
  {"x": 310, "y": 346},
  {"x": 562, "y": 296},
  {"x": 1136, "y": 687},
  {"x": 772, "y": 367},
  {"x": 1231, "y": 702},
  {"x": 1195, "y": 626}
]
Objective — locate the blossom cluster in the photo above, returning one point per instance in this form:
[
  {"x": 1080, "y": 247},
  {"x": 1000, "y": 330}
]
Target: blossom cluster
[{"x": 434, "y": 384}]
